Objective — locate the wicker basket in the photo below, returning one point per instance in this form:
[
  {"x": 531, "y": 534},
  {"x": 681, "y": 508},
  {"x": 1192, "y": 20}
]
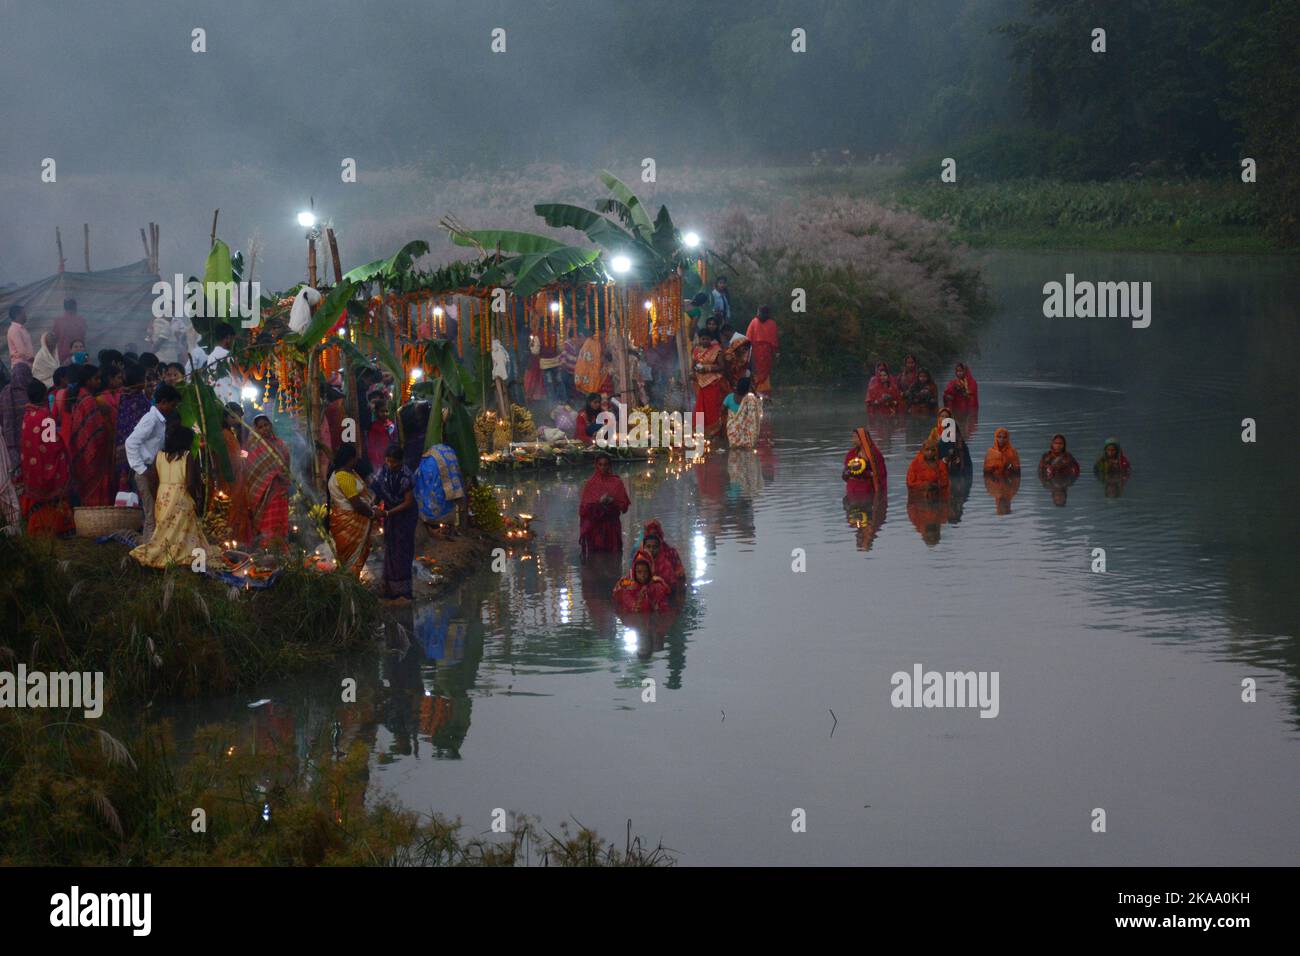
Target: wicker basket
[{"x": 102, "y": 520}]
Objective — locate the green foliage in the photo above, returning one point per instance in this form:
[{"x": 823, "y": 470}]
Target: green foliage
[
  {"x": 73, "y": 794},
  {"x": 83, "y": 606},
  {"x": 484, "y": 509},
  {"x": 203, "y": 411},
  {"x": 327, "y": 313},
  {"x": 389, "y": 271}
]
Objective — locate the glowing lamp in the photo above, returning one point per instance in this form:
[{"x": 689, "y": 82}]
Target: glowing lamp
[
  {"x": 691, "y": 239},
  {"x": 620, "y": 264},
  {"x": 307, "y": 219}
]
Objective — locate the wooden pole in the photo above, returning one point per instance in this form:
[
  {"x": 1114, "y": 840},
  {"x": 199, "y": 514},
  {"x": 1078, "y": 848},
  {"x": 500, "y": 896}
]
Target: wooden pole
[
  {"x": 58, "y": 241},
  {"x": 334, "y": 254},
  {"x": 157, "y": 235},
  {"x": 311, "y": 262},
  {"x": 148, "y": 258},
  {"x": 213, "y": 242},
  {"x": 85, "y": 230}
]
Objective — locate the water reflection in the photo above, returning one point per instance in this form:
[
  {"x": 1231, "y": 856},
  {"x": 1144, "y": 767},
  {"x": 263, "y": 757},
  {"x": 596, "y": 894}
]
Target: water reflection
[{"x": 1198, "y": 561}]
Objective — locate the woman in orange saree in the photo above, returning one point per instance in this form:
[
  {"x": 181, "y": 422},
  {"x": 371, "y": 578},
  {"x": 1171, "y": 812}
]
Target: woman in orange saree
[
  {"x": 351, "y": 511},
  {"x": 1002, "y": 458},
  {"x": 762, "y": 335}
]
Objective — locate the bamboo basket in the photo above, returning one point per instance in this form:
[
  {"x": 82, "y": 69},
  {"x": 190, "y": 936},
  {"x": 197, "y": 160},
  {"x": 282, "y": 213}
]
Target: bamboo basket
[{"x": 105, "y": 519}]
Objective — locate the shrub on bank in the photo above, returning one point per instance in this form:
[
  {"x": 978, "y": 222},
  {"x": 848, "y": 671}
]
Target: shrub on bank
[
  {"x": 79, "y": 606},
  {"x": 879, "y": 281},
  {"x": 74, "y": 795}
]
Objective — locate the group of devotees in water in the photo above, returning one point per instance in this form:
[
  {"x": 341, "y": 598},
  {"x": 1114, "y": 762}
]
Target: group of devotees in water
[{"x": 943, "y": 466}]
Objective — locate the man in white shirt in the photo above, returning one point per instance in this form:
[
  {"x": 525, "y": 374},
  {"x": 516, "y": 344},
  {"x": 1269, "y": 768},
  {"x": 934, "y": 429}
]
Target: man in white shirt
[
  {"x": 225, "y": 385},
  {"x": 143, "y": 445}
]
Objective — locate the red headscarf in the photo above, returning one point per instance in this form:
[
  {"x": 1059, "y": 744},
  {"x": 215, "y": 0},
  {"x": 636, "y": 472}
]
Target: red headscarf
[
  {"x": 632, "y": 597},
  {"x": 667, "y": 563}
]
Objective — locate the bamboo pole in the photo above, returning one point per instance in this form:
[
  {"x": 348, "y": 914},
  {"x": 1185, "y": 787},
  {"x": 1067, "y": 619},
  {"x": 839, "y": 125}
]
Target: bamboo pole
[
  {"x": 148, "y": 259},
  {"x": 334, "y": 254},
  {"x": 311, "y": 262},
  {"x": 85, "y": 231},
  {"x": 58, "y": 241},
  {"x": 213, "y": 237}
]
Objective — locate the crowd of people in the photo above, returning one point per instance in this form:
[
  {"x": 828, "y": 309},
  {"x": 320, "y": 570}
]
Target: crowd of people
[{"x": 78, "y": 434}]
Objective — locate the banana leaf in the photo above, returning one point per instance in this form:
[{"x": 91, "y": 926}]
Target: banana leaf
[
  {"x": 217, "y": 270},
  {"x": 509, "y": 240},
  {"x": 595, "y": 226},
  {"x": 459, "y": 434},
  {"x": 198, "y": 395},
  {"x": 391, "y": 268},
  {"x": 640, "y": 218},
  {"x": 535, "y": 271},
  {"x": 665, "y": 241}
]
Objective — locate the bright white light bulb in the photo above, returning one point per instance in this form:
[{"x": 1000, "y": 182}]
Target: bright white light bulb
[
  {"x": 417, "y": 374},
  {"x": 620, "y": 263},
  {"x": 306, "y": 219},
  {"x": 691, "y": 239},
  {"x": 249, "y": 393}
]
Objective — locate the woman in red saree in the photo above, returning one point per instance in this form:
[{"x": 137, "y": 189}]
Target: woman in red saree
[
  {"x": 710, "y": 386},
  {"x": 864, "y": 467},
  {"x": 766, "y": 345},
  {"x": 907, "y": 377},
  {"x": 47, "y": 479},
  {"x": 1057, "y": 462},
  {"x": 883, "y": 393},
  {"x": 587, "y": 426},
  {"x": 534, "y": 385},
  {"x": 266, "y": 482},
  {"x": 603, "y": 501},
  {"x": 237, "y": 520},
  {"x": 962, "y": 394},
  {"x": 641, "y": 591},
  {"x": 667, "y": 562},
  {"x": 91, "y": 441}
]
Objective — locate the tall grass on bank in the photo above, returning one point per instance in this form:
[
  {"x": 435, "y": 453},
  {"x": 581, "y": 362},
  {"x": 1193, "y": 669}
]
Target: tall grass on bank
[
  {"x": 1168, "y": 213},
  {"x": 75, "y": 605},
  {"x": 73, "y": 795},
  {"x": 879, "y": 282}
]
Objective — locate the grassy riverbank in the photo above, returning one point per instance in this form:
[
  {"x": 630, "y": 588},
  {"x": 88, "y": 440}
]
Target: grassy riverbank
[{"x": 120, "y": 791}]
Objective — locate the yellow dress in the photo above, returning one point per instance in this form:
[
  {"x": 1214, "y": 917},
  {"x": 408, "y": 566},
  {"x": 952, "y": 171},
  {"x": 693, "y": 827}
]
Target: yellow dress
[{"x": 177, "y": 528}]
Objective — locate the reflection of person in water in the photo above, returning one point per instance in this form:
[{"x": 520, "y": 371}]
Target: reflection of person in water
[
  {"x": 598, "y": 575},
  {"x": 958, "y": 492},
  {"x": 1002, "y": 489},
  {"x": 928, "y": 513},
  {"x": 866, "y": 515}
]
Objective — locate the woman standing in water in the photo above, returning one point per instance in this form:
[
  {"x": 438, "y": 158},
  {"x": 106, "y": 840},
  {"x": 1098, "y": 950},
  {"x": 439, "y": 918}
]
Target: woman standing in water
[
  {"x": 1002, "y": 459},
  {"x": 1113, "y": 463},
  {"x": 864, "y": 467},
  {"x": 641, "y": 591},
  {"x": 1057, "y": 462},
  {"x": 922, "y": 395},
  {"x": 962, "y": 394},
  {"x": 883, "y": 393},
  {"x": 744, "y": 415},
  {"x": 667, "y": 562},
  {"x": 604, "y": 499}
]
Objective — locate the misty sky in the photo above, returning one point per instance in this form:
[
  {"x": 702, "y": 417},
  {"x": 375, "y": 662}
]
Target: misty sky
[{"x": 144, "y": 129}]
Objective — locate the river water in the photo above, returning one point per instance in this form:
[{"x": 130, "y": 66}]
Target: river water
[{"x": 1120, "y": 691}]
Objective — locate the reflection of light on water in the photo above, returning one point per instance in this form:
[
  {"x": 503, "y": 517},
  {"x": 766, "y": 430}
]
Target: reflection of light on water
[
  {"x": 700, "y": 550},
  {"x": 630, "y": 639},
  {"x": 566, "y": 605}
]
